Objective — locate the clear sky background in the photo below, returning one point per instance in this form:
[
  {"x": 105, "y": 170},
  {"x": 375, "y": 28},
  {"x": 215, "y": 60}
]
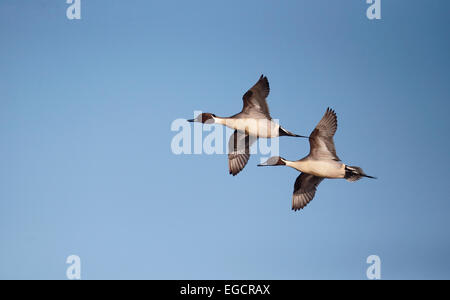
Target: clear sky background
[{"x": 86, "y": 166}]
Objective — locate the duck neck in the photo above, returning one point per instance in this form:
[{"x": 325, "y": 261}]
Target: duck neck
[
  {"x": 220, "y": 120},
  {"x": 298, "y": 165}
]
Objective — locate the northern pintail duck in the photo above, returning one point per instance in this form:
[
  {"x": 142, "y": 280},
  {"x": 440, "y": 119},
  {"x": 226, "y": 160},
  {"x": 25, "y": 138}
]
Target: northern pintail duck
[
  {"x": 253, "y": 122},
  {"x": 322, "y": 162}
]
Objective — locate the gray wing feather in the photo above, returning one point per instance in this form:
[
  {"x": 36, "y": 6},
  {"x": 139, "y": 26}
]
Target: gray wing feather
[
  {"x": 239, "y": 151},
  {"x": 255, "y": 104},
  {"x": 321, "y": 139},
  {"x": 304, "y": 190}
]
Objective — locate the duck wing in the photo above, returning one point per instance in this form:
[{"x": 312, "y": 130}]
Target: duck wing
[
  {"x": 321, "y": 139},
  {"x": 304, "y": 190},
  {"x": 255, "y": 104},
  {"x": 239, "y": 151}
]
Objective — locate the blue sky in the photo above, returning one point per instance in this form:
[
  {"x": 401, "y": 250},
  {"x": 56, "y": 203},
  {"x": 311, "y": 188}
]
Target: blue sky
[{"x": 86, "y": 166}]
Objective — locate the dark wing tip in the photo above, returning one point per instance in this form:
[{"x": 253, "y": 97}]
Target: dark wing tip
[
  {"x": 299, "y": 206},
  {"x": 331, "y": 111},
  {"x": 328, "y": 122},
  {"x": 237, "y": 162},
  {"x": 233, "y": 171},
  {"x": 265, "y": 84}
]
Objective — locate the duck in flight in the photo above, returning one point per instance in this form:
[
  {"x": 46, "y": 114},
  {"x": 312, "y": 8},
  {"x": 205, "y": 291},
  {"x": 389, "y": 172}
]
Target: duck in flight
[
  {"x": 253, "y": 122},
  {"x": 322, "y": 162}
]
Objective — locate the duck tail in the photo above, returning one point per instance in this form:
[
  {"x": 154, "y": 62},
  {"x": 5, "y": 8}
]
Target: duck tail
[
  {"x": 284, "y": 132},
  {"x": 353, "y": 173}
]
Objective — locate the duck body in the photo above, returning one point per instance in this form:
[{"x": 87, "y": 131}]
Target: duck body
[
  {"x": 259, "y": 128},
  {"x": 330, "y": 169},
  {"x": 321, "y": 163}
]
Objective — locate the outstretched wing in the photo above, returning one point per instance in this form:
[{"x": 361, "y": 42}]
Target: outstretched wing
[
  {"x": 239, "y": 151},
  {"x": 304, "y": 190},
  {"x": 321, "y": 139},
  {"x": 255, "y": 104}
]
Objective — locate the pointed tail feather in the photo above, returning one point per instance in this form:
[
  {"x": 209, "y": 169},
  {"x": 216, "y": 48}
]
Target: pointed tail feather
[{"x": 284, "y": 132}]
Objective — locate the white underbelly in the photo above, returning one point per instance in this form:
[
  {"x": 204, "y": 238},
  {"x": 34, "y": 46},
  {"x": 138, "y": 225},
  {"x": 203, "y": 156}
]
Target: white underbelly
[
  {"x": 262, "y": 128},
  {"x": 320, "y": 168}
]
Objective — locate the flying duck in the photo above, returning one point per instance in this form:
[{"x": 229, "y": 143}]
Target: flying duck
[
  {"x": 322, "y": 162},
  {"x": 253, "y": 122}
]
